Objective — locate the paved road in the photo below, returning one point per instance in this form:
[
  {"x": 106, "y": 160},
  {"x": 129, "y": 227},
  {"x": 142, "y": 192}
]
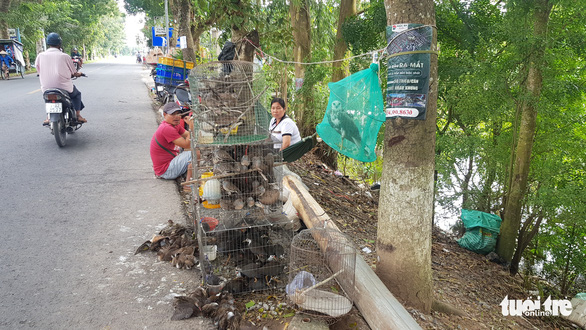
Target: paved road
[{"x": 72, "y": 217}]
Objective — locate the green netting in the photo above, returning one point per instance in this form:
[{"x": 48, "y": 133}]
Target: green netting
[
  {"x": 354, "y": 115},
  {"x": 482, "y": 230},
  {"x": 478, "y": 240},
  {"x": 258, "y": 132},
  {"x": 472, "y": 219}
]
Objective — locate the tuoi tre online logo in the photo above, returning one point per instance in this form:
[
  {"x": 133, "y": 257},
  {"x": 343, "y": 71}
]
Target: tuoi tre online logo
[{"x": 551, "y": 307}]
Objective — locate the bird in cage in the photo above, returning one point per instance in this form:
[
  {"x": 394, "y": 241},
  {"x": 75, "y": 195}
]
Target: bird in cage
[
  {"x": 343, "y": 122},
  {"x": 238, "y": 204},
  {"x": 245, "y": 160},
  {"x": 258, "y": 190},
  {"x": 256, "y": 248},
  {"x": 250, "y": 201},
  {"x": 225, "y": 168},
  {"x": 270, "y": 196},
  {"x": 226, "y": 204},
  {"x": 257, "y": 163},
  {"x": 220, "y": 156},
  {"x": 269, "y": 159},
  {"x": 230, "y": 187},
  {"x": 235, "y": 285}
]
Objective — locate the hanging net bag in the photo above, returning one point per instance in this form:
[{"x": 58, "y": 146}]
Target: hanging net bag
[{"x": 354, "y": 115}]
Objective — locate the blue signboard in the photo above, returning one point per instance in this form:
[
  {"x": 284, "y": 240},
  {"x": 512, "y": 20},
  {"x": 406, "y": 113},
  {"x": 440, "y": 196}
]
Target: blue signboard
[{"x": 159, "y": 36}]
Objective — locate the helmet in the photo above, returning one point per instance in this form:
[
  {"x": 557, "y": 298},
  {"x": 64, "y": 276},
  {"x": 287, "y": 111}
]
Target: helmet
[
  {"x": 53, "y": 39},
  {"x": 75, "y": 49}
]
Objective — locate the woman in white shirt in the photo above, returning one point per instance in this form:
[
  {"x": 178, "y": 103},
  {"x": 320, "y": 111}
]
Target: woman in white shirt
[{"x": 284, "y": 132}]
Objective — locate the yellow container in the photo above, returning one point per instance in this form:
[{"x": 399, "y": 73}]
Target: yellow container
[
  {"x": 205, "y": 203},
  {"x": 173, "y": 62},
  {"x": 233, "y": 131},
  {"x": 210, "y": 206},
  {"x": 203, "y": 176}
]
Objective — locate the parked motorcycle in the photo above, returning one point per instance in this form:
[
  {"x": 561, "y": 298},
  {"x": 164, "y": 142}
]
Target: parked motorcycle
[
  {"x": 62, "y": 115},
  {"x": 162, "y": 92},
  {"x": 182, "y": 97}
]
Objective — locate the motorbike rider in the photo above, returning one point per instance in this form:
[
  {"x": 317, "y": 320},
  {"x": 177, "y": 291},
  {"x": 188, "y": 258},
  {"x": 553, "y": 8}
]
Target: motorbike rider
[
  {"x": 75, "y": 53},
  {"x": 55, "y": 70}
]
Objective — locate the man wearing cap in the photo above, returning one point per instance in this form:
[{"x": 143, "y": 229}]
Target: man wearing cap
[
  {"x": 55, "y": 70},
  {"x": 168, "y": 161}
]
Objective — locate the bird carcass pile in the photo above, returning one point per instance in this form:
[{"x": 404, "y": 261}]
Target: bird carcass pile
[{"x": 243, "y": 236}]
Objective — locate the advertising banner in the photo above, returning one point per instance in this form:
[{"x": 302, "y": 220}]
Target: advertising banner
[{"x": 408, "y": 70}]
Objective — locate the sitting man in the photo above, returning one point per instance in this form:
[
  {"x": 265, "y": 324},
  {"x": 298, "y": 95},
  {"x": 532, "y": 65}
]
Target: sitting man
[
  {"x": 55, "y": 70},
  {"x": 5, "y": 62},
  {"x": 168, "y": 161}
]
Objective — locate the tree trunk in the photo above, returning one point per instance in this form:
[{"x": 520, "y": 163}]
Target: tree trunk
[
  {"x": 245, "y": 43},
  {"x": 340, "y": 69},
  {"x": 485, "y": 199},
  {"x": 564, "y": 283},
  {"x": 522, "y": 160},
  {"x": 4, "y": 6},
  {"x": 300, "y": 23},
  {"x": 182, "y": 13},
  {"x": 525, "y": 237},
  {"x": 467, "y": 203},
  {"x": 406, "y": 196}
]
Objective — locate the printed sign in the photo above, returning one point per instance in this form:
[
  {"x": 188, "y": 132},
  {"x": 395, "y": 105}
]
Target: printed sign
[
  {"x": 158, "y": 34},
  {"x": 408, "y": 74}
]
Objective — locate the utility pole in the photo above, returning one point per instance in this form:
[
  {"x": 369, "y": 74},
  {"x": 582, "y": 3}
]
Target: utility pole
[{"x": 166, "y": 27}]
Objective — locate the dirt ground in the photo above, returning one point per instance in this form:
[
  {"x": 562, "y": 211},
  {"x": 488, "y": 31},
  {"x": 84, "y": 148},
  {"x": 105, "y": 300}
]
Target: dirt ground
[{"x": 462, "y": 279}]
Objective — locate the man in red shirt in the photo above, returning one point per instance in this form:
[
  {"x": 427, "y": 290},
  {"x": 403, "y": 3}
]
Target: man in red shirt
[{"x": 168, "y": 160}]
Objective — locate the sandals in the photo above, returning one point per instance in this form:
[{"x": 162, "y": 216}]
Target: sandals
[
  {"x": 81, "y": 120},
  {"x": 47, "y": 122}
]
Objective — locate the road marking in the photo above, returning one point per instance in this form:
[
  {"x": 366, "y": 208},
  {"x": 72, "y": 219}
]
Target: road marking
[{"x": 36, "y": 90}]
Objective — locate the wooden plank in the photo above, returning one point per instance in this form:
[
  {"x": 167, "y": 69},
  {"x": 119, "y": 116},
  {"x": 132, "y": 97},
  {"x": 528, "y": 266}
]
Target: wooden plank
[{"x": 378, "y": 306}]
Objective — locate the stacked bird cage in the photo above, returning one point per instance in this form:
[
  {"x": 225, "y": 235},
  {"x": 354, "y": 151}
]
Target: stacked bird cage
[
  {"x": 238, "y": 201},
  {"x": 228, "y": 99},
  {"x": 243, "y": 234},
  {"x": 321, "y": 273}
]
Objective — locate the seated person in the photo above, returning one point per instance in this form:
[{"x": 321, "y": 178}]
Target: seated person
[
  {"x": 168, "y": 161},
  {"x": 5, "y": 62},
  {"x": 283, "y": 130}
]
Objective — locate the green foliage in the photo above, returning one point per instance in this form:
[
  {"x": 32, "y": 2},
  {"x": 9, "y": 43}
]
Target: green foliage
[
  {"x": 484, "y": 48},
  {"x": 96, "y": 24},
  {"x": 366, "y": 32}
]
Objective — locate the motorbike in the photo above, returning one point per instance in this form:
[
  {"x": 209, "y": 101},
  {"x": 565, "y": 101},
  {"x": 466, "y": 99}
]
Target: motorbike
[
  {"x": 77, "y": 62},
  {"x": 182, "y": 97},
  {"x": 62, "y": 115}
]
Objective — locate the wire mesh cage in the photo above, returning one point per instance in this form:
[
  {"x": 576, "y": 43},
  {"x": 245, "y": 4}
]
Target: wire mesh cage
[
  {"x": 243, "y": 234},
  {"x": 321, "y": 276},
  {"x": 245, "y": 258},
  {"x": 236, "y": 181},
  {"x": 227, "y": 99}
]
